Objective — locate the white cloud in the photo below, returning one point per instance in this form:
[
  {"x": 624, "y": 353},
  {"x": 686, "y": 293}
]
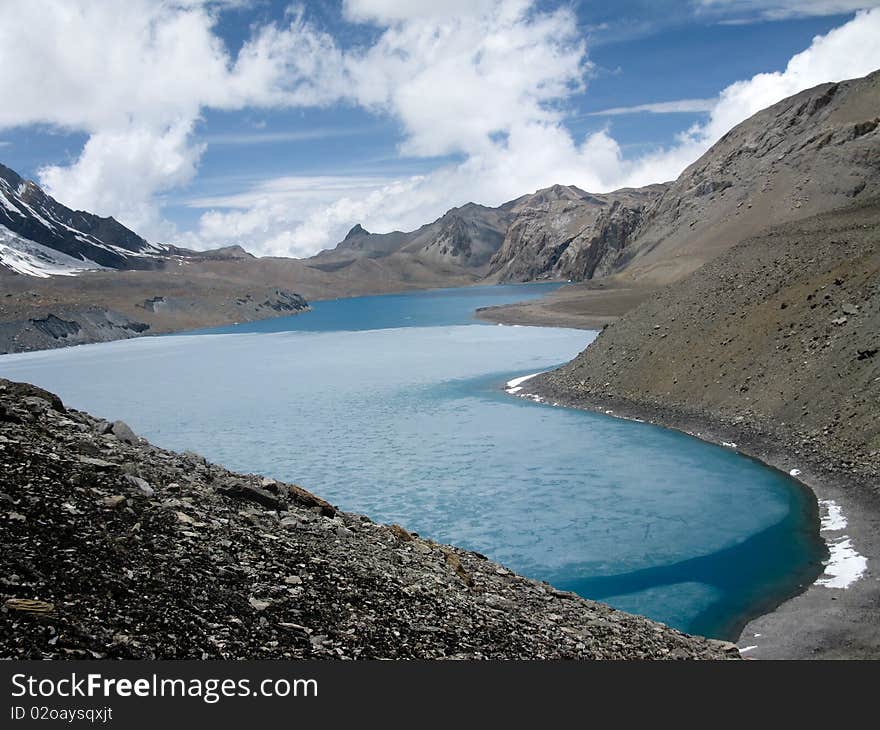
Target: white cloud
[
  {"x": 829, "y": 58},
  {"x": 679, "y": 106},
  {"x": 121, "y": 172},
  {"x": 537, "y": 151},
  {"x": 302, "y": 135},
  {"x": 455, "y": 80},
  {"x": 484, "y": 80},
  {"x": 751, "y": 10},
  {"x": 302, "y": 189},
  {"x": 136, "y": 76},
  {"x": 385, "y": 12}
]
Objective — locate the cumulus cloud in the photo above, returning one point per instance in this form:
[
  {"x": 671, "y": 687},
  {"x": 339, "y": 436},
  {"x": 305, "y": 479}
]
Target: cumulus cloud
[
  {"x": 483, "y": 81},
  {"x": 535, "y": 151},
  {"x": 455, "y": 80},
  {"x": 136, "y": 76},
  {"x": 122, "y": 171},
  {"x": 391, "y": 11}
]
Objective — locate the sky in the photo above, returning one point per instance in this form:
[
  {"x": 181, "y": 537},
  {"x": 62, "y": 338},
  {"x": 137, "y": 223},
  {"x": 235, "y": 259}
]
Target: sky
[{"x": 278, "y": 126}]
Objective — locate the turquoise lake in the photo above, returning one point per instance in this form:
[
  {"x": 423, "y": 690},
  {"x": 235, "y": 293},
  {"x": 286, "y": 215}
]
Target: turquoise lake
[{"x": 393, "y": 406}]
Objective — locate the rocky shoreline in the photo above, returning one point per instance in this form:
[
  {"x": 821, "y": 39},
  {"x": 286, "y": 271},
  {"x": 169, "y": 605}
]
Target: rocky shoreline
[
  {"x": 821, "y": 622},
  {"x": 114, "y": 548},
  {"x": 772, "y": 349},
  {"x": 41, "y": 314},
  {"x": 586, "y": 305}
]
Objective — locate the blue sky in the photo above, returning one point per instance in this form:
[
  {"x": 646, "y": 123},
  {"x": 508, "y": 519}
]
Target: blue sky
[{"x": 278, "y": 126}]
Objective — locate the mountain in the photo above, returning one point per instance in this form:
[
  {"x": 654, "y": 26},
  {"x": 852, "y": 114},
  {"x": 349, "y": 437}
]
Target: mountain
[
  {"x": 808, "y": 154},
  {"x": 812, "y": 152},
  {"x": 462, "y": 240},
  {"x": 41, "y": 237},
  {"x": 771, "y": 349},
  {"x": 784, "y": 327}
]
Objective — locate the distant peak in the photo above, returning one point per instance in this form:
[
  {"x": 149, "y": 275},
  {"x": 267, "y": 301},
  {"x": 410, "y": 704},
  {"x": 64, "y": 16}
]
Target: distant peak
[{"x": 357, "y": 230}]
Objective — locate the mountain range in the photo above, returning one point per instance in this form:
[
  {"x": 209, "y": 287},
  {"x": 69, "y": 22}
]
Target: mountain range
[{"x": 814, "y": 152}]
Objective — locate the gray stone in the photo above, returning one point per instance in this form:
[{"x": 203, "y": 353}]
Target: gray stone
[
  {"x": 121, "y": 430},
  {"x": 142, "y": 485}
]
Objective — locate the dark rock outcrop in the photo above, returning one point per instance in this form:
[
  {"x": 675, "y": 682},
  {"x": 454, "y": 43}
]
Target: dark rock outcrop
[
  {"x": 285, "y": 301},
  {"x": 356, "y": 230},
  {"x": 56, "y": 327},
  {"x": 74, "y": 327}
]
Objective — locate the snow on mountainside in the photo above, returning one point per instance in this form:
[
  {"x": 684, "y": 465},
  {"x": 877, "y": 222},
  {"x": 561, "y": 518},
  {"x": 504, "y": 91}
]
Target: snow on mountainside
[
  {"x": 63, "y": 240},
  {"x": 33, "y": 259}
]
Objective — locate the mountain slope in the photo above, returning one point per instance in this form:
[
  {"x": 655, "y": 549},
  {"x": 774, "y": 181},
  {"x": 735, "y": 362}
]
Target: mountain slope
[
  {"x": 782, "y": 328},
  {"x": 773, "y": 349},
  {"x": 813, "y": 152},
  {"x": 29, "y": 214}
]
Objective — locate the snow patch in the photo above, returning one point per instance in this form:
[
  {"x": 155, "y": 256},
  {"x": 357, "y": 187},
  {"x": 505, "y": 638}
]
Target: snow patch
[
  {"x": 845, "y": 565},
  {"x": 794, "y": 472},
  {"x": 833, "y": 518},
  {"x": 33, "y": 259},
  {"x": 515, "y": 386},
  {"x": 748, "y": 648},
  {"x": 729, "y": 444}
]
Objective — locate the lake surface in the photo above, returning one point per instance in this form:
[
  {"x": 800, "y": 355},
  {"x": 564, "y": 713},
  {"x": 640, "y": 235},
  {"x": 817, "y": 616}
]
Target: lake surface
[{"x": 393, "y": 406}]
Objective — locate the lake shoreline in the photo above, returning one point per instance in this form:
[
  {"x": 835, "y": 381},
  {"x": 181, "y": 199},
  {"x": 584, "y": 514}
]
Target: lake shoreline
[
  {"x": 61, "y": 325},
  {"x": 249, "y": 567},
  {"x": 820, "y": 621},
  {"x": 586, "y": 305}
]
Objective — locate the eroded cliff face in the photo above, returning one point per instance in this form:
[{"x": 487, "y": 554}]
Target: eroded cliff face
[
  {"x": 31, "y": 320},
  {"x": 564, "y": 232},
  {"x": 113, "y": 548}
]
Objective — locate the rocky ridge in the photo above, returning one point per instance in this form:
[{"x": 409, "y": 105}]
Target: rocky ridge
[
  {"x": 30, "y": 214},
  {"x": 114, "y": 548},
  {"x": 563, "y": 232},
  {"x": 463, "y": 239}
]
